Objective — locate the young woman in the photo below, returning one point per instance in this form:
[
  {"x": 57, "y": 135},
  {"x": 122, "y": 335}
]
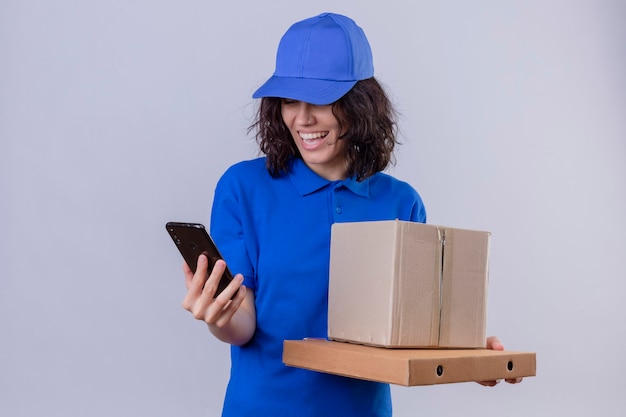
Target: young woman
[{"x": 327, "y": 130}]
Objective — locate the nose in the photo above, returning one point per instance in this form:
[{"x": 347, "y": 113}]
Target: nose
[{"x": 305, "y": 114}]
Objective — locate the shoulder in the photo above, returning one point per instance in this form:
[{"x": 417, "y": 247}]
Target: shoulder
[
  {"x": 253, "y": 166},
  {"x": 385, "y": 182},
  {"x": 247, "y": 172},
  {"x": 392, "y": 191}
]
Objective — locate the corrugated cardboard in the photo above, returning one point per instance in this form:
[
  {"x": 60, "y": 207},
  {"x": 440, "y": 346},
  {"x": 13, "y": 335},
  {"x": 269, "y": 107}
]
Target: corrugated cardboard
[
  {"x": 408, "y": 367},
  {"x": 406, "y": 284}
]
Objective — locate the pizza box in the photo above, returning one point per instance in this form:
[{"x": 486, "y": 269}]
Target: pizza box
[{"x": 407, "y": 367}]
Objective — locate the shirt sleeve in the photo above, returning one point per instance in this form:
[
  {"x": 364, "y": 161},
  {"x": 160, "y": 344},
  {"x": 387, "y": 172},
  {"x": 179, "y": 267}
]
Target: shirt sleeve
[
  {"x": 418, "y": 214},
  {"x": 227, "y": 225}
]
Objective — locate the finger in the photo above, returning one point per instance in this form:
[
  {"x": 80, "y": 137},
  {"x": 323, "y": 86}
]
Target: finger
[
  {"x": 514, "y": 380},
  {"x": 193, "y": 301},
  {"x": 489, "y": 383},
  {"x": 231, "y": 289},
  {"x": 190, "y": 302},
  {"x": 207, "y": 307},
  {"x": 225, "y": 299},
  {"x": 195, "y": 283},
  {"x": 222, "y": 305},
  {"x": 188, "y": 274},
  {"x": 494, "y": 343},
  {"x": 187, "y": 269},
  {"x": 231, "y": 308},
  {"x": 211, "y": 283}
]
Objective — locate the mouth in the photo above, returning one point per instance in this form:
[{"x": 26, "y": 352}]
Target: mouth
[{"x": 312, "y": 137}]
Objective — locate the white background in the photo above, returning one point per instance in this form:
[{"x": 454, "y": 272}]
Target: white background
[{"x": 117, "y": 116}]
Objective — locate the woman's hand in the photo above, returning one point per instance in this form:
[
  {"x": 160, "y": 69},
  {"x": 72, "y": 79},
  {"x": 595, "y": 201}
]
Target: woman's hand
[
  {"x": 230, "y": 320},
  {"x": 494, "y": 343}
]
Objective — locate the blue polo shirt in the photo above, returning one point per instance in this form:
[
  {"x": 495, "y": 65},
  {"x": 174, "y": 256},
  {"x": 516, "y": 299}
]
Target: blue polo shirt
[{"x": 276, "y": 232}]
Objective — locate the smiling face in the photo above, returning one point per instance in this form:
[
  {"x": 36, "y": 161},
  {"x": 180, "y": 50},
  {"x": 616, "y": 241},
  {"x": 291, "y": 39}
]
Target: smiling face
[{"x": 316, "y": 132}]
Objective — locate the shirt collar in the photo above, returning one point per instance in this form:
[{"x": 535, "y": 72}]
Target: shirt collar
[{"x": 306, "y": 181}]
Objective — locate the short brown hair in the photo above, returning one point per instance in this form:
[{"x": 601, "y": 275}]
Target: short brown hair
[{"x": 370, "y": 136}]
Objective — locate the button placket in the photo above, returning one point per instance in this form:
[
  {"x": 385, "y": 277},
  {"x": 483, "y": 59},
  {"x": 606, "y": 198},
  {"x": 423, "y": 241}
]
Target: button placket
[{"x": 336, "y": 201}]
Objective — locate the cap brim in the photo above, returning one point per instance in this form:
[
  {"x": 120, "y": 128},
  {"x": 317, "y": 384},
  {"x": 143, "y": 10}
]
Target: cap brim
[{"x": 319, "y": 92}]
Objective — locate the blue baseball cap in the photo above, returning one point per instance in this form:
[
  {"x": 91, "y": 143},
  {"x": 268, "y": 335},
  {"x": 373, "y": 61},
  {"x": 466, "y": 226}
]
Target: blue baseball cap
[{"x": 319, "y": 59}]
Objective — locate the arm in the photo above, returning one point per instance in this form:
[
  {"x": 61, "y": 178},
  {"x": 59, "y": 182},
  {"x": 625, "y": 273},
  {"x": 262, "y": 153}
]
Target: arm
[{"x": 231, "y": 321}]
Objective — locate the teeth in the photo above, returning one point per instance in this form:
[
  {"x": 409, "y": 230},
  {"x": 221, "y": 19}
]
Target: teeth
[{"x": 311, "y": 136}]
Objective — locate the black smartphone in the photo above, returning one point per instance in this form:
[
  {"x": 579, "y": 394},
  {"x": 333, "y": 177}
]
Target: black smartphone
[{"x": 192, "y": 239}]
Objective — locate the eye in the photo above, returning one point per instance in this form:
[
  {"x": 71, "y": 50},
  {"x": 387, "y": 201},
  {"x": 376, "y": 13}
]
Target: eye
[{"x": 288, "y": 101}]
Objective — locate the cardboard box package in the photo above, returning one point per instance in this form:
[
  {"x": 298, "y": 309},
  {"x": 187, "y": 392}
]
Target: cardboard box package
[
  {"x": 408, "y": 285},
  {"x": 408, "y": 367}
]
